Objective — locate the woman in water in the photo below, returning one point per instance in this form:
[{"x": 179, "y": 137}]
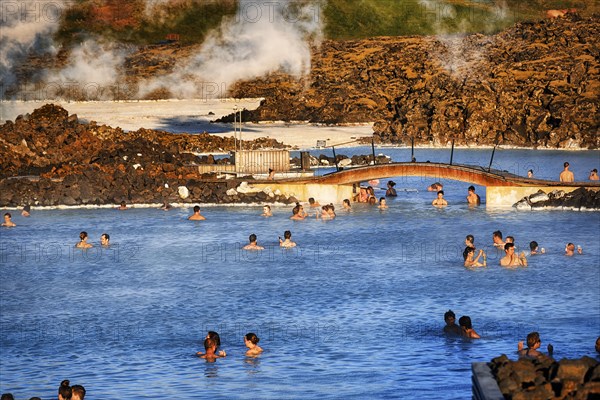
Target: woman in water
[
  {"x": 216, "y": 341},
  {"x": 251, "y": 342},
  {"x": 346, "y": 205},
  {"x": 83, "y": 244},
  {"x": 471, "y": 260},
  {"x": 297, "y": 213},
  {"x": 324, "y": 214},
  {"x": 467, "y": 328},
  {"x": 391, "y": 192},
  {"x": 64, "y": 391}
]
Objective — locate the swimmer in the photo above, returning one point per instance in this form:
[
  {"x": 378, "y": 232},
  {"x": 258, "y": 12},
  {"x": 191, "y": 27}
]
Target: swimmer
[
  {"x": 473, "y": 198},
  {"x": 534, "y": 248},
  {"x": 467, "y": 328},
  {"x": 372, "y": 201},
  {"x": 196, "y": 215},
  {"x": 346, "y": 205},
  {"x": 382, "y": 204},
  {"x": 83, "y": 244},
  {"x": 252, "y": 245},
  {"x": 510, "y": 259},
  {"x": 391, "y": 192},
  {"x": 471, "y": 260},
  {"x": 439, "y": 201},
  {"x": 362, "y": 196},
  {"x": 324, "y": 214},
  {"x": 8, "y": 221},
  {"x": 451, "y": 328},
  {"x": 331, "y": 211},
  {"x": 371, "y": 194},
  {"x": 570, "y": 250},
  {"x": 271, "y": 174},
  {"x": 435, "y": 187},
  {"x": 470, "y": 241},
  {"x": 510, "y": 239},
  {"x": 217, "y": 339},
  {"x": 313, "y": 203},
  {"x": 78, "y": 392},
  {"x": 497, "y": 239},
  {"x": 210, "y": 348},
  {"x": 287, "y": 242},
  {"x": 530, "y": 173},
  {"x": 26, "y": 211},
  {"x": 64, "y": 391},
  {"x": 251, "y": 342},
  {"x": 122, "y": 206},
  {"x": 593, "y": 175},
  {"x": 297, "y": 213},
  {"x": 105, "y": 240},
  {"x": 533, "y": 344},
  {"x": 266, "y": 211},
  {"x": 566, "y": 175}
]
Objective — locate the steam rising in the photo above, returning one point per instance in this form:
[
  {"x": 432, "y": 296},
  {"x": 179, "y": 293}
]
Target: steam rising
[
  {"x": 264, "y": 37},
  {"x": 26, "y": 28}
]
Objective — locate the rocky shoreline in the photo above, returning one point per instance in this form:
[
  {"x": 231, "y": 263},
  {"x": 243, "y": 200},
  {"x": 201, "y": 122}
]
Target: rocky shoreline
[
  {"x": 49, "y": 158},
  {"x": 546, "y": 378},
  {"x": 581, "y": 199}
]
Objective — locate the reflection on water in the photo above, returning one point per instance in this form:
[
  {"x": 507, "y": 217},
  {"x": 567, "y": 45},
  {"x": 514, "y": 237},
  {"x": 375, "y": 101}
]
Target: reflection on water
[{"x": 356, "y": 311}]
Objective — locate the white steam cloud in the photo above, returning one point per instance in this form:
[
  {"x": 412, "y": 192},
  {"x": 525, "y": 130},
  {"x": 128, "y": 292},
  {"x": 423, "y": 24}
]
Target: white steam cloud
[
  {"x": 460, "y": 57},
  {"x": 26, "y": 28},
  {"x": 263, "y": 37}
]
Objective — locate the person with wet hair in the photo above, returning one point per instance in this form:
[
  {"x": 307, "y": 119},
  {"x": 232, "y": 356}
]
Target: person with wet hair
[
  {"x": 251, "y": 342},
  {"x": 451, "y": 328},
  {"x": 382, "y": 204},
  {"x": 78, "y": 392},
  {"x": 26, "y": 211},
  {"x": 83, "y": 244},
  {"x": 511, "y": 259},
  {"x": 210, "y": 348},
  {"x": 534, "y": 248},
  {"x": 497, "y": 239},
  {"x": 313, "y": 203},
  {"x": 216, "y": 340},
  {"x": 297, "y": 213},
  {"x": 467, "y": 328},
  {"x": 64, "y": 390},
  {"x": 196, "y": 216},
  {"x": 346, "y": 205},
  {"x": 533, "y": 344},
  {"x": 266, "y": 211},
  {"x": 287, "y": 240},
  {"x": 472, "y": 197},
  {"x": 324, "y": 214},
  {"x": 252, "y": 245},
  {"x": 566, "y": 175},
  {"x": 471, "y": 260},
  {"x": 391, "y": 191},
  {"x": 105, "y": 240},
  {"x": 8, "y": 221},
  {"x": 439, "y": 201}
]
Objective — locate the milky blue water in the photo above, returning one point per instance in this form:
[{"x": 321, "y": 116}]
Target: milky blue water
[{"x": 355, "y": 311}]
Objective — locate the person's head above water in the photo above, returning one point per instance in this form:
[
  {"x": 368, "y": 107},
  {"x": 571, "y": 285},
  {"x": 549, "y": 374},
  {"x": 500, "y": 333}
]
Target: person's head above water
[
  {"x": 287, "y": 234},
  {"x": 252, "y": 338},
  {"x": 214, "y": 336},
  {"x": 449, "y": 315},
  {"x": 532, "y": 339},
  {"x": 252, "y": 238},
  {"x": 197, "y": 209},
  {"x": 497, "y": 234},
  {"x": 508, "y": 246},
  {"x": 83, "y": 235},
  {"x": 465, "y": 322},
  {"x": 533, "y": 245}
]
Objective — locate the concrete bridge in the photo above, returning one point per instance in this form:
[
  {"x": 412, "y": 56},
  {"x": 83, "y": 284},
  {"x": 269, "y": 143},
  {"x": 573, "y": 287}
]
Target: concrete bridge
[{"x": 502, "y": 187}]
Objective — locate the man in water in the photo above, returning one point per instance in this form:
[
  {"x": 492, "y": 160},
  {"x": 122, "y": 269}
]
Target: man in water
[
  {"x": 510, "y": 259},
  {"x": 467, "y": 328},
  {"x": 451, "y": 328},
  {"x": 196, "y": 216},
  {"x": 533, "y": 344},
  {"x": 534, "y": 247},
  {"x": 593, "y": 175},
  {"x": 252, "y": 245},
  {"x": 26, "y": 211},
  {"x": 435, "y": 187},
  {"x": 497, "y": 238},
  {"x": 266, "y": 211},
  {"x": 530, "y": 173},
  {"x": 8, "y": 221},
  {"x": 122, "y": 206},
  {"x": 473, "y": 198},
  {"x": 287, "y": 242},
  {"x": 570, "y": 250},
  {"x": 566, "y": 175},
  {"x": 313, "y": 203},
  {"x": 439, "y": 201},
  {"x": 105, "y": 240}
]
